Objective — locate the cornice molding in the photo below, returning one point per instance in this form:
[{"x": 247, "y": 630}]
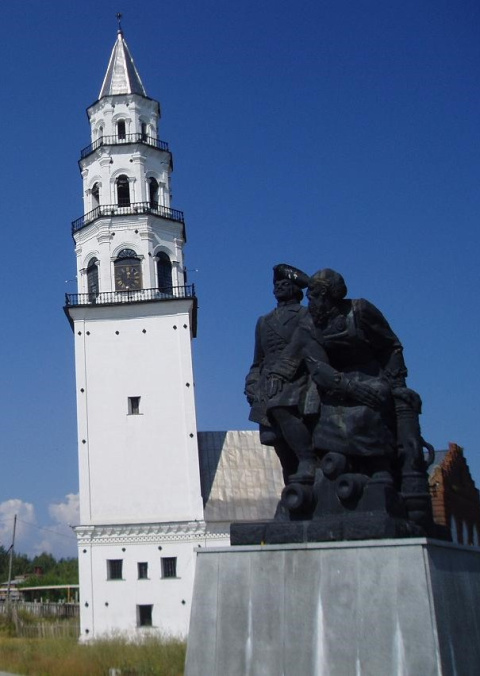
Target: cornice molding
[{"x": 142, "y": 533}]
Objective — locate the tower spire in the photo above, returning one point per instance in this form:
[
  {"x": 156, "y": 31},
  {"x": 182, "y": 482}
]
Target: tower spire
[{"x": 122, "y": 75}]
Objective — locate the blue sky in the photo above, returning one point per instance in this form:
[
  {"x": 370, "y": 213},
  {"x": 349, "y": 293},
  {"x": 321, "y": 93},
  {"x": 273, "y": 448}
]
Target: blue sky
[{"x": 323, "y": 133}]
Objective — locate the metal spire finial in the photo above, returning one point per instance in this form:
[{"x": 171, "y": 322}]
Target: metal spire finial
[{"x": 119, "y": 18}]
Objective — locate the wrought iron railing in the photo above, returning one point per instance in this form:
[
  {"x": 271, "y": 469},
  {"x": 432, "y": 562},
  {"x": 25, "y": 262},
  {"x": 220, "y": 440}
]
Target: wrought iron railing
[
  {"x": 125, "y": 138},
  {"x": 131, "y": 296},
  {"x": 126, "y": 210}
]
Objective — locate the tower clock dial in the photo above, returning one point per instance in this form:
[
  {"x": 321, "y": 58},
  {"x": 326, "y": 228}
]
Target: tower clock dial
[{"x": 128, "y": 277}]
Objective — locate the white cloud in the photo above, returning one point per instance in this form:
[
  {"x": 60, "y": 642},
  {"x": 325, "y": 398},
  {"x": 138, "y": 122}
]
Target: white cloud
[
  {"x": 56, "y": 537},
  {"x": 68, "y": 512},
  {"x": 26, "y": 517}
]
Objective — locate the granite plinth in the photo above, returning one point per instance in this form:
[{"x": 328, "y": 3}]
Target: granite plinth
[
  {"x": 371, "y": 608},
  {"x": 331, "y": 527}
]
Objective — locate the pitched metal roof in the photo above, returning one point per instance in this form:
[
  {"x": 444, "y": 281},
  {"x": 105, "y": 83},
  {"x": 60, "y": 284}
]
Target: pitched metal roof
[
  {"x": 122, "y": 76},
  {"x": 241, "y": 479}
]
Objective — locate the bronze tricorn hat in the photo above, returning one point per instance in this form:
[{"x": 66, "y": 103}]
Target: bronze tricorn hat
[{"x": 285, "y": 271}]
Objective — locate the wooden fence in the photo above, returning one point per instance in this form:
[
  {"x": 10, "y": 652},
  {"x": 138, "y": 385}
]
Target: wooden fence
[
  {"x": 43, "y": 620},
  {"x": 54, "y": 610},
  {"x": 43, "y": 629}
]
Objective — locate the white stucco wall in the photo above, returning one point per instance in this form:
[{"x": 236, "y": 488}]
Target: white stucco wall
[
  {"x": 132, "y": 108},
  {"x": 110, "y": 162},
  {"x": 136, "y": 468},
  {"x": 110, "y": 606},
  {"x": 145, "y": 234}
]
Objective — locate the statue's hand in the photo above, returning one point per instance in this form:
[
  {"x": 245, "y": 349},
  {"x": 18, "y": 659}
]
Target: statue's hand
[
  {"x": 250, "y": 394},
  {"x": 274, "y": 385},
  {"x": 251, "y": 386},
  {"x": 364, "y": 394}
]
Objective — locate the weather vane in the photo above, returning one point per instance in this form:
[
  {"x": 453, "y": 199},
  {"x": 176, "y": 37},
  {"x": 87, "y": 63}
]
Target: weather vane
[{"x": 119, "y": 17}]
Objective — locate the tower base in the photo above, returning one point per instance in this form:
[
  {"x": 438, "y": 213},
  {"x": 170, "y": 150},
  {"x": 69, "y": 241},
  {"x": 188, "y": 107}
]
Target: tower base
[{"x": 365, "y": 608}]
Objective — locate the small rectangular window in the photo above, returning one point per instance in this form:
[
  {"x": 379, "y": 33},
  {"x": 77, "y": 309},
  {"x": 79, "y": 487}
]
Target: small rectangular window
[
  {"x": 144, "y": 616},
  {"x": 169, "y": 566},
  {"x": 142, "y": 570},
  {"x": 114, "y": 569},
  {"x": 133, "y": 405}
]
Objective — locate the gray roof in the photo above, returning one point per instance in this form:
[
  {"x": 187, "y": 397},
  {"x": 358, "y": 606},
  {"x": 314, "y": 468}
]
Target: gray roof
[
  {"x": 241, "y": 479},
  {"x": 122, "y": 76}
]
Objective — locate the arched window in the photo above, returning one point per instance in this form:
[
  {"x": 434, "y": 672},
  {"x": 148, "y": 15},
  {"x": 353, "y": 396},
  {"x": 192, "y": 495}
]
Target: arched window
[
  {"x": 121, "y": 130},
  {"x": 128, "y": 271},
  {"x": 123, "y": 191},
  {"x": 92, "y": 278},
  {"x": 144, "y": 132},
  {"x": 95, "y": 195},
  {"x": 465, "y": 538},
  {"x": 153, "y": 192},
  {"x": 164, "y": 271},
  {"x": 454, "y": 529}
]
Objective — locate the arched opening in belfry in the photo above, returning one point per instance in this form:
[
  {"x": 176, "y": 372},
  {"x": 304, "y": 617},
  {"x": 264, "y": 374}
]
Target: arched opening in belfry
[
  {"x": 92, "y": 277},
  {"x": 164, "y": 272},
  {"x": 153, "y": 192},
  {"x": 121, "y": 130},
  {"x": 95, "y": 195},
  {"x": 123, "y": 191}
]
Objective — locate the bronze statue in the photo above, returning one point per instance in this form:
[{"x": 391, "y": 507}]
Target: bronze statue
[{"x": 366, "y": 460}]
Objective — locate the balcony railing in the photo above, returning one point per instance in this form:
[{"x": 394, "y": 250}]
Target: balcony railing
[
  {"x": 127, "y": 210},
  {"x": 132, "y": 296},
  {"x": 126, "y": 138}
]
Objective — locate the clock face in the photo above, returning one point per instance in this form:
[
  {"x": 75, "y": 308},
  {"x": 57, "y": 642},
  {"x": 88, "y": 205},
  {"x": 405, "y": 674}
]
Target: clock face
[{"x": 128, "y": 277}]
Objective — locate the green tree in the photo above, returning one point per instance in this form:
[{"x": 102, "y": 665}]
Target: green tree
[{"x": 46, "y": 562}]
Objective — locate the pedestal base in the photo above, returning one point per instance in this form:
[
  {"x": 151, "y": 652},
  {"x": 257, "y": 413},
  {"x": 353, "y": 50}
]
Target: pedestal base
[
  {"x": 403, "y": 607},
  {"x": 331, "y": 527}
]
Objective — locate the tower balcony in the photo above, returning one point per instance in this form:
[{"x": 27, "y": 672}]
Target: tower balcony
[
  {"x": 130, "y": 296},
  {"x": 106, "y": 298},
  {"x": 133, "y": 208},
  {"x": 122, "y": 140}
]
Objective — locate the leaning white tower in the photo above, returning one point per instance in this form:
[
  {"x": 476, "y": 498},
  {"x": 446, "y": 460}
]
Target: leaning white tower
[{"x": 133, "y": 319}]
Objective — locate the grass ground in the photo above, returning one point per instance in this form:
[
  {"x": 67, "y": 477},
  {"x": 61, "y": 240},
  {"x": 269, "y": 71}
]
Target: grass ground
[{"x": 65, "y": 657}]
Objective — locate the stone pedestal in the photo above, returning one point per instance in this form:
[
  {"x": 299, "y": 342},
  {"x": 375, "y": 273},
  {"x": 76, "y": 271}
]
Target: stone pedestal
[{"x": 373, "y": 608}]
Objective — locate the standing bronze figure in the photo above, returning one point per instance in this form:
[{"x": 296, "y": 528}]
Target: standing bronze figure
[{"x": 282, "y": 415}]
